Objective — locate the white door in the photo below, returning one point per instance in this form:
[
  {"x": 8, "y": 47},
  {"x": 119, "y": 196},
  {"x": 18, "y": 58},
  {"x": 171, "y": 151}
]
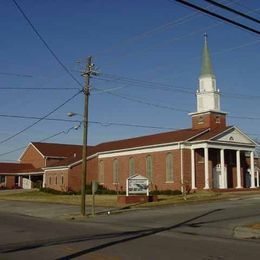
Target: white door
[{"x": 27, "y": 184}]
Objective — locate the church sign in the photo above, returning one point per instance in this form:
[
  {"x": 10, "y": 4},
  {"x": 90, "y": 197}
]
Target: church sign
[{"x": 137, "y": 184}]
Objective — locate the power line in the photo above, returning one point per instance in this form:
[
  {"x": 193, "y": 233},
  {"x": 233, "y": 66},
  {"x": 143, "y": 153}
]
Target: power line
[
  {"x": 141, "y": 101},
  {"x": 164, "y": 86},
  {"x": 30, "y": 88},
  {"x": 244, "y": 6},
  {"x": 240, "y": 25},
  {"x": 61, "y": 64},
  {"x": 15, "y": 75},
  {"x": 45, "y": 43},
  {"x": 40, "y": 119},
  {"x": 232, "y": 10},
  {"x": 42, "y": 140}
]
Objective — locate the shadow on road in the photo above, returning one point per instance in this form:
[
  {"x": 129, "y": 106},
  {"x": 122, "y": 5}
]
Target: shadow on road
[{"x": 131, "y": 235}]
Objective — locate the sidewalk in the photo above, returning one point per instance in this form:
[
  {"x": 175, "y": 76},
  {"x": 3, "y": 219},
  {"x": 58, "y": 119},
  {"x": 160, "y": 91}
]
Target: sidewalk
[
  {"x": 245, "y": 232},
  {"x": 46, "y": 210}
]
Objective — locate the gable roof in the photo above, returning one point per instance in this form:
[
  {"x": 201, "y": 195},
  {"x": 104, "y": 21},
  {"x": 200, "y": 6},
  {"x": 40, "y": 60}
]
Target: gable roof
[
  {"x": 222, "y": 134},
  {"x": 212, "y": 133},
  {"x": 57, "y": 150}
]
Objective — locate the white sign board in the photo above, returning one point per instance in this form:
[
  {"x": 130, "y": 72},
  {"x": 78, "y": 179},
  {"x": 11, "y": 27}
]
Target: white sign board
[{"x": 137, "y": 184}]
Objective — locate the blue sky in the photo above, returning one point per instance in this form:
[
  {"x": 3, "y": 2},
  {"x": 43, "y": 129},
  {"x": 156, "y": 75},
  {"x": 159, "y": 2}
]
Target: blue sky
[{"x": 155, "y": 41}]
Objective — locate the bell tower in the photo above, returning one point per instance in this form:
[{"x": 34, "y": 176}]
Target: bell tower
[{"x": 208, "y": 114}]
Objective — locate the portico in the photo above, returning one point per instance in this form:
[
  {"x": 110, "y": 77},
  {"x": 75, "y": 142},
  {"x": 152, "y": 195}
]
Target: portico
[{"x": 220, "y": 171}]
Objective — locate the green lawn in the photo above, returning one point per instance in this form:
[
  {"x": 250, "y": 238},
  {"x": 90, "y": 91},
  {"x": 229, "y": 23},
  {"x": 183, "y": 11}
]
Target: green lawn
[{"x": 111, "y": 200}]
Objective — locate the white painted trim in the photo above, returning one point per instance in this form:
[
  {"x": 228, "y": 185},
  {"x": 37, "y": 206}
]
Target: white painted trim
[
  {"x": 206, "y": 167},
  {"x": 193, "y": 176},
  {"x": 238, "y": 164},
  {"x": 182, "y": 180},
  {"x": 222, "y": 146},
  {"x": 252, "y": 170},
  {"x": 138, "y": 151},
  {"x": 55, "y": 169},
  {"x": 199, "y": 134},
  {"x": 235, "y": 128},
  {"x": 27, "y": 149}
]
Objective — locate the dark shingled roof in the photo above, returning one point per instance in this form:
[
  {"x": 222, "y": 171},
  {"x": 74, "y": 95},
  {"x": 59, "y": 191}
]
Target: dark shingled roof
[
  {"x": 58, "y": 150},
  {"x": 161, "y": 138},
  {"x": 17, "y": 168},
  {"x": 212, "y": 133}
]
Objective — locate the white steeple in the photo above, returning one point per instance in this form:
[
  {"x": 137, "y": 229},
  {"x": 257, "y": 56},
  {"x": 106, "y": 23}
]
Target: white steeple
[{"x": 208, "y": 96}]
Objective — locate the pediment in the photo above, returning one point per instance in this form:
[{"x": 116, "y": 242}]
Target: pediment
[{"x": 234, "y": 136}]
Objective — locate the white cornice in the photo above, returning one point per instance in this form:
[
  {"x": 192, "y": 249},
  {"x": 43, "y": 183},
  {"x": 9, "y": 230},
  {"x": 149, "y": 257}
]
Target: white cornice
[{"x": 27, "y": 149}]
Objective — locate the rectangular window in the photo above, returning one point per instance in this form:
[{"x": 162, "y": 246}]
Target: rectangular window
[
  {"x": 2, "y": 179},
  {"x": 169, "y": 167},
  {"x": 101, "y": 172}
]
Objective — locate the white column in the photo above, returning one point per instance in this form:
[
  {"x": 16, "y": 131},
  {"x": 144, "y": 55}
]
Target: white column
[
  {"x": 193, "y": 177},
  {"x": 257, "y": 179},
  {"x": 44, "y": 180},
  {"x": 238, "y": 171},
  {"x": 252, "y": 170},
  {"x": 222, "y": 167},
  {"x": 206, "y": 167}
]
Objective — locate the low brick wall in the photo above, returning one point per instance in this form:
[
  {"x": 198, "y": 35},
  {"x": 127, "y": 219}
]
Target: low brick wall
[{"x": 136, "y": 199}]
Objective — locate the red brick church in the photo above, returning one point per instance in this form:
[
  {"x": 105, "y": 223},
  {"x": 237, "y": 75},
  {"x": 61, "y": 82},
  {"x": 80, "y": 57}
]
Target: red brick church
[{"x": 209, "y": 155}]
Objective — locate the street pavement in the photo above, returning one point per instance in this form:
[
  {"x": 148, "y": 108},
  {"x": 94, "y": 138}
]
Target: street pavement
[{"x": 199, "y": 231}]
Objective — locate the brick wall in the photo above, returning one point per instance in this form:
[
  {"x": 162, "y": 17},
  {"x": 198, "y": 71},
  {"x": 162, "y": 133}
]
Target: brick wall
[
  {"x": 213, "y": 120},
  {"x": 158, "y": 180},
  {"x": 32, "y": 156},
  {"x": 57, "y": 180}
]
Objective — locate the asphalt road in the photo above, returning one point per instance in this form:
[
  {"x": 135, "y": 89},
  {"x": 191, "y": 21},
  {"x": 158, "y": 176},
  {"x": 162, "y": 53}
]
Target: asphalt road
[{"x": 202, "y": 231}]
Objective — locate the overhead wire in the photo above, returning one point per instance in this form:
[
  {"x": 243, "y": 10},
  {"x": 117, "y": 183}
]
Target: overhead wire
[
  {"x": 15, "y": 74},
  {"x": 55, "y": 56},
  {"x": 221, "y": 17},
  {"x": 222, "y": 6},
  {"x": 35, "y": 89},
  {"x": 40, "y": 119},
  {"x": 42, "y": 140},
  {"x": 59, "y": 62},
  {"x": 156, "y": 85}
]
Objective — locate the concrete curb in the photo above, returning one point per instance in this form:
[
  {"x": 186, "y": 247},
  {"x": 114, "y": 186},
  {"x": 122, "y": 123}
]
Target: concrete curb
[{"x": 246, "y": 232}]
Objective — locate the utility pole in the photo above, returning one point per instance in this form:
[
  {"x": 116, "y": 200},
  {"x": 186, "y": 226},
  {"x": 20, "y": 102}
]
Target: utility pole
[{"x": 87, "y": 75}]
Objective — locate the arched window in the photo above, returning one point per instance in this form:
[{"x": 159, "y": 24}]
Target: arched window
[
  {"x": 62, "y": 179},
  {"x": 101, "y": 173},
  {"x": 49, "y": 180},
  {"x": 149, "y": 167},
  {"x": 169, "y": 167},
  {"x": 131, "y": 166},
  {"x": 115, "y": 171}
]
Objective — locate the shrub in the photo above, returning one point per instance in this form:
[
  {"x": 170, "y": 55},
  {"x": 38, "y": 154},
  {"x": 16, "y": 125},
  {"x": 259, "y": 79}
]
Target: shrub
[
  {"x": 165, "y": 192},
  {"x": 57, "y": 192}
]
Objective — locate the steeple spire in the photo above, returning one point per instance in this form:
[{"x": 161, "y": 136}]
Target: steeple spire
[{"x": 206, "y": 68}]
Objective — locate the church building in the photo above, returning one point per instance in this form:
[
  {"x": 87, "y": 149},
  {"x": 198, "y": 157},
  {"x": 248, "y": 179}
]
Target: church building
[{"x": 209, "y": 155}]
